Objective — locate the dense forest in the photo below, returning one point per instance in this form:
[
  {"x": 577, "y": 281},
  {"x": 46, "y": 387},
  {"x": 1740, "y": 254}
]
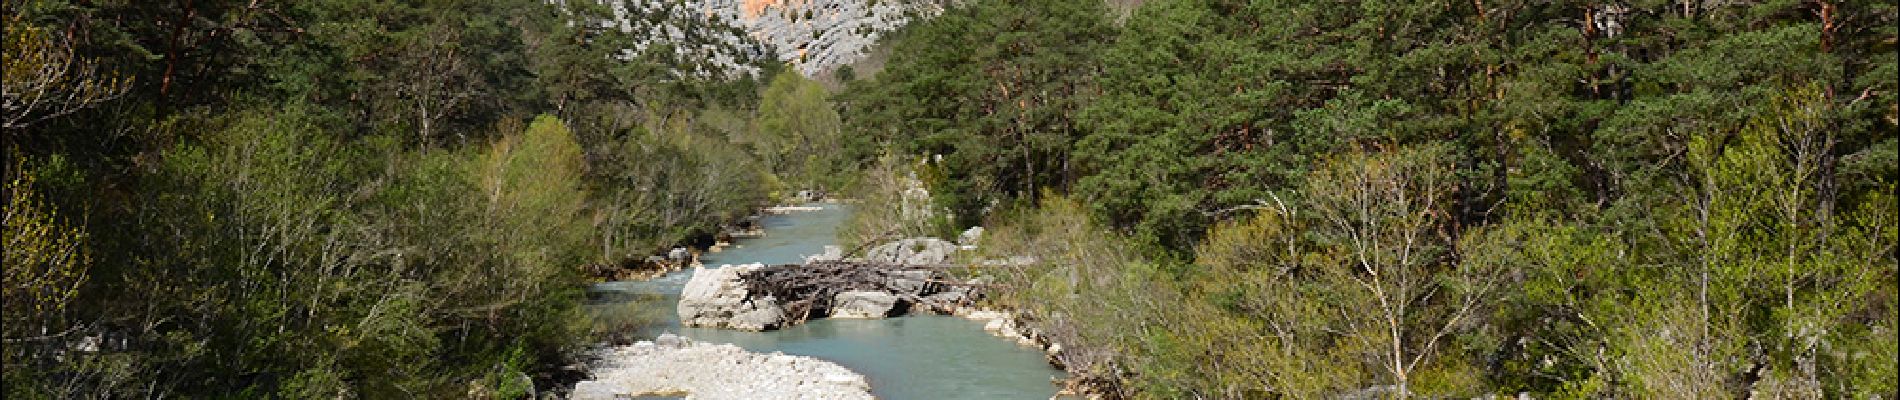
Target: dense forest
[
  {"x": 346, "y": 198},
  {"x": 1573, "y": 199},
  {"x": 1223, "y": 198}
]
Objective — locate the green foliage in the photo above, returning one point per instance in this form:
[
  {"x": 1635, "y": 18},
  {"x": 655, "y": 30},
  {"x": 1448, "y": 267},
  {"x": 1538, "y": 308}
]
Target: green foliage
[
  {"x": 532, "y": 184},
  {"x": 1273, "y": 311},
  {"x": 893, "y": 203},
  {"x": 1111, "y": 301},
  {"x": 44, "y": 78},
  {"x": 799, "y": 135},
  {"x": 992, "y": 89},
  {"x": 670, "y": 181},
  {"x": 661, "y": 182},
  {"x": 1577, "y": 199},
  {"x": 395, "y": 280},
  {"x": 1347, "y": 289},
  {"x": 272, "y": 259},
  {"x": 339, "y": 198},
  {"x": 1545, "y": 332},
  {"x": 1770, "y": 265},
  {"x": 46, "y": 263}
]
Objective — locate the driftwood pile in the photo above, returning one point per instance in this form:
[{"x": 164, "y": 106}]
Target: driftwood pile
[{"x": 807, "y": 290}]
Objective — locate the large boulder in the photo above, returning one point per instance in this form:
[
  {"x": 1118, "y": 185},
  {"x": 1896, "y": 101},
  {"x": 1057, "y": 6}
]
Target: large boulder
[
  {"x": 864, "y": 304},
  {"x": 718, "y": 298},
  {"x": 913, "y": 251}
]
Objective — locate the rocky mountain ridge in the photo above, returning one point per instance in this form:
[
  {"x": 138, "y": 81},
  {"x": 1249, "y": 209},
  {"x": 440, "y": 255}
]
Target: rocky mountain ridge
[{"x": 729, "y": 38}]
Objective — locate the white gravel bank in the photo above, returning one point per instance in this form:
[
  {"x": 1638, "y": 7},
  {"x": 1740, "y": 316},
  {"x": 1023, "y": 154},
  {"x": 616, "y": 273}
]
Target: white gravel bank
[{"x": 675, "y": 365}]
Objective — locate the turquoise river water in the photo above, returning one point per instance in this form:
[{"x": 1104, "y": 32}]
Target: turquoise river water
[{"x": 912, "y": 357}]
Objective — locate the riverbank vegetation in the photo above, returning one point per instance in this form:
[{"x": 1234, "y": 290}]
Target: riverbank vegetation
[
  {"x": 346, "y": 198},
  {"x": 1220, "y": 199},
  {"x": 1437, "y": 199}
]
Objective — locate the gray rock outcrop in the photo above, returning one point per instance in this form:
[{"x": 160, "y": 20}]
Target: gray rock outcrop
[
  {"x": 913, "y": 251},
  {"x": 718, "y": 298},
  {"x": 731, "y": 37}
]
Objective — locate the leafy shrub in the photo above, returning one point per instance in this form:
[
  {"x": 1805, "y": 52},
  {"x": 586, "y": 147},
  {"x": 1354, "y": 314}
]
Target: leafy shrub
[
  {"x": 45, "y": 266},
  {"x": 274, "y": 260}
]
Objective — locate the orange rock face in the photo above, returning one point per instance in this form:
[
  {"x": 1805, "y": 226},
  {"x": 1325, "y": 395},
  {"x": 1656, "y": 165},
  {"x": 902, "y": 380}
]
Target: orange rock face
[{"x": 752, "y": 8}]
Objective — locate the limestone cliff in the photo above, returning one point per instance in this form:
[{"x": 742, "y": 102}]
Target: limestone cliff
[{"x": 716, "y": 38}]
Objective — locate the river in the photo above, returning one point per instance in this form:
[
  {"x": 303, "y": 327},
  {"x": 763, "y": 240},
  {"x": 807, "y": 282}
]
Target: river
[{"x": 912, "y": 357}]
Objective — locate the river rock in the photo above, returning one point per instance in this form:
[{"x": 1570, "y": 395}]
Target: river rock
[
  {"x": 994, "y": 326},
  {"x": 864, "y": 304},
  {"x": 718, "y": 298},
  {"x": 913, "y": 251}
]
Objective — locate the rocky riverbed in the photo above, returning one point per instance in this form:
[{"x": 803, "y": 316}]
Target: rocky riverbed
[
  {"x": 921, "y": 356},
  {"x": 676, "y": 366}
]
